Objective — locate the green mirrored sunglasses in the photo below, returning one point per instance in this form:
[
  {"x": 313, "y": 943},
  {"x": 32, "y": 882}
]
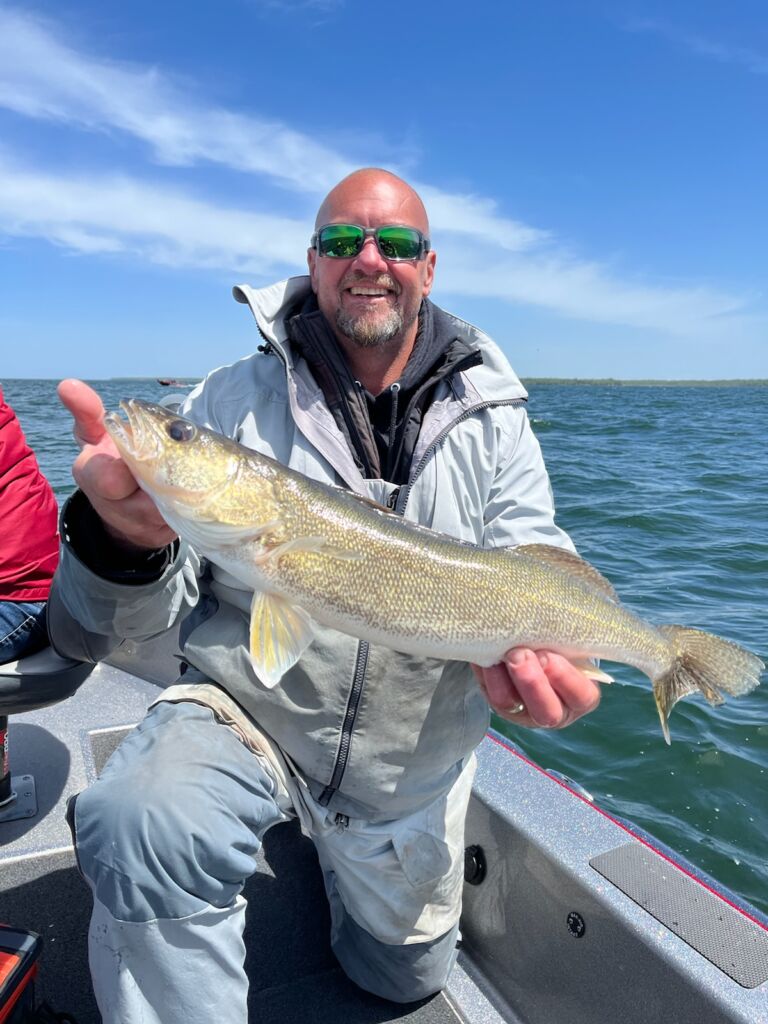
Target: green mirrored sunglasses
[{"x": 394, "y": 241}]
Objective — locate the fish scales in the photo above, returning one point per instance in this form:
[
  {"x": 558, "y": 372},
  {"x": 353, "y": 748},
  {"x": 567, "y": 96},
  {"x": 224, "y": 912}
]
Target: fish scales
[{"x": 318, "y": 554}]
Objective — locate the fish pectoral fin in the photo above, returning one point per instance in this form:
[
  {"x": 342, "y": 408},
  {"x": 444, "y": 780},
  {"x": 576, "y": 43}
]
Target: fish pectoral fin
[
  {"x": 318, "y": 545},
  {"x": 568, "y": 562},
  {"x": 280, "y": 633},
  {"x": 590, "y": 670}
]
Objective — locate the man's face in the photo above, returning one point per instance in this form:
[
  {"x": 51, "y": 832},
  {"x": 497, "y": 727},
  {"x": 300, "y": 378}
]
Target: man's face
[{"x": 367, "y": 299}]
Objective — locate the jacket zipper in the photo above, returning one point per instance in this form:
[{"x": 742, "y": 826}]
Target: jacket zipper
[
  {"x": 353, "y": 703},
  {"x": 404, "y": 492},
  {"x": 358, "y": 680}
]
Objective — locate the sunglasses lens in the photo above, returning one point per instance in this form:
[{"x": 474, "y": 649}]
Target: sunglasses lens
[
  {"x": 343, "y": 241},
  {"x": 340, "y": 240},
  {"x": 399, "y": 243}
]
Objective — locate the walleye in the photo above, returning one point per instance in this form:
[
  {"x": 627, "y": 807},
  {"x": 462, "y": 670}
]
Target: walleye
[{"x": 314, "y": 553}]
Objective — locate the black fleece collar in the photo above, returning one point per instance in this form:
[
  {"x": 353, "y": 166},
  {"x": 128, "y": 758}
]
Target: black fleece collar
[{"x": 381, "y": 430}]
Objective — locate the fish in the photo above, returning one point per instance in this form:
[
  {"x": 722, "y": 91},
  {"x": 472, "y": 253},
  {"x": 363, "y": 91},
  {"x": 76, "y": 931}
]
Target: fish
[{"x": 316, "y": 554}]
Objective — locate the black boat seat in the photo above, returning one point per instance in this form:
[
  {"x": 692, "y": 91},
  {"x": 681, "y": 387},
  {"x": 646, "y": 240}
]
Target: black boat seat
[
  {"x": 39, "y": 680},
  {"x": 27, "y": 684}
]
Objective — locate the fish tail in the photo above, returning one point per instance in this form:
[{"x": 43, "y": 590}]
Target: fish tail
[{"x": 703, "y": 663}]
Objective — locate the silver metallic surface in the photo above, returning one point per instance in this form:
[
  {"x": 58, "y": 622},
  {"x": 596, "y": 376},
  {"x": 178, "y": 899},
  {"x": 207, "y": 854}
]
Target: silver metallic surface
[
  {"x": 23, "y": 800},
  {"x": 538, "y": 838}
]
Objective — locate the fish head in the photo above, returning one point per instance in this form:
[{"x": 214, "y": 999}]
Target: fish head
[{"x": 188, "y": 469}]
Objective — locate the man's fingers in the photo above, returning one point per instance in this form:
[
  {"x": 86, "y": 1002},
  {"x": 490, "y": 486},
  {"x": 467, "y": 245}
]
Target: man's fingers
[
  {"x": 87, "y": 411},
  {"x": 127, "y": 513},
  {"x": 553, "y": 690},
  {"x": 501, "y": 693},
  {"x": 135, "y": 521},
  {"x": 103, "y": 476},
  {"x": 498, "y": 688},
  {"x": 577, "y": 692},
  {"x": 542, "y": 703}
]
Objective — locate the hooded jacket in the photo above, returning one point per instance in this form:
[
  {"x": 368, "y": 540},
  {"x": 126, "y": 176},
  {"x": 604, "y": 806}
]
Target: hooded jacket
[
  {"x": 376, "y": 734},
  {"x": 29, "y": 546}
]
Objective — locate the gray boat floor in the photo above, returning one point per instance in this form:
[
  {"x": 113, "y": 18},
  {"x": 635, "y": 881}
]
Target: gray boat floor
[{"x": 293, "y": 974}]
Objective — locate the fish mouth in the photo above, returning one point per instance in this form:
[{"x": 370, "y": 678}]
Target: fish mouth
[{"x": 138, "y": 435}]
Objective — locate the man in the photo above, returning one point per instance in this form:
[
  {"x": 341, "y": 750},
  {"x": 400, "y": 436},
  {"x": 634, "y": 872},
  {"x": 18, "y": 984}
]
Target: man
[
  {"x": 29, "y": 545},
  {"x": 362, "y": 382}
]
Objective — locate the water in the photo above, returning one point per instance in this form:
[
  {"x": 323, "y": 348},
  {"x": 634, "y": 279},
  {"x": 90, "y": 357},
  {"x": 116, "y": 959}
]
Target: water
[{"x": 663, "y": 489}]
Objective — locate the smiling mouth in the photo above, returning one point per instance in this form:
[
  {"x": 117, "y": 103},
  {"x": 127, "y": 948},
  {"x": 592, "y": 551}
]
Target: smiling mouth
[
  {"x": 370, "y": 292},
  {"x": 358, "y": 287}
]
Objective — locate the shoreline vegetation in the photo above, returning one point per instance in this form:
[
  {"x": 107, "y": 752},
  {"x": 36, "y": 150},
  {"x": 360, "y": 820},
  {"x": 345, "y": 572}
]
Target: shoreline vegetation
[{"x": 650, "y": 383}]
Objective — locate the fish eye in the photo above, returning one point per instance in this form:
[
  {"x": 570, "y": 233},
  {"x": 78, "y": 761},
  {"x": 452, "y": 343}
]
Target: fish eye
[{"x": 181, "y": 430}]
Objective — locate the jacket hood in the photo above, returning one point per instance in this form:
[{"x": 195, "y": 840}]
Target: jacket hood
[{"x": 492, "y": 381}]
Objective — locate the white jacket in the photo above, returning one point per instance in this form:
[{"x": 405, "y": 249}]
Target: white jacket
[{"x": 375, "y": 733}]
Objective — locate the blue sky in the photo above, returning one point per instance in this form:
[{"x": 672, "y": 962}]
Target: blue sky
[{"x": 595, "y": 174}]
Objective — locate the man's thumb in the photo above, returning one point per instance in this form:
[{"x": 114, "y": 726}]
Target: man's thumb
[{"x": 87, "y": 411}]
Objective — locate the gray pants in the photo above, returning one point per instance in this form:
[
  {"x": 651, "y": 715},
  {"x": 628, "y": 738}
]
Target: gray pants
[{"x": 167, "y": 838}]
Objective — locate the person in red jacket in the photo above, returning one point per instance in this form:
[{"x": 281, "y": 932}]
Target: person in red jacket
[{"x": 29, "y": 543}]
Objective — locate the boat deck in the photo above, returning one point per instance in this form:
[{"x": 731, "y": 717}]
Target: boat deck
[
  {"x": 294, "y": 975},
  {"x": 655, "y": 943}
]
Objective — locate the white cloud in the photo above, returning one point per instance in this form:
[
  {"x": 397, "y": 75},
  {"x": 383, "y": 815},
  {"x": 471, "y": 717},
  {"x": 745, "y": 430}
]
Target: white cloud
[
  {"x": 44, "y": 78},
  {"x": 118, "y": 214},
  {"x": 589, "y": 291},
  {"x": 481, "y": 251},
  {"x": 743, "y": 56}
]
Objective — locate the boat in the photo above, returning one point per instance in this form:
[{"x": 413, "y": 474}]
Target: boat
[
  {"x": 571, "y": 916},
  {"x": 170, "y": 382}
]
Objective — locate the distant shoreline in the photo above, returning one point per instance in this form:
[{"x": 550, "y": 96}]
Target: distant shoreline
[
  {"x": 564, "y": 381},
  {"x": 650, "y": 383}
]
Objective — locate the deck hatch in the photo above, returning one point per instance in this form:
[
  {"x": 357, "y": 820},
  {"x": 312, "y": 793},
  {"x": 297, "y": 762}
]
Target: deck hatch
[
  {"x": 104, "y": 742},
  {"x": 727, "y": 938}
]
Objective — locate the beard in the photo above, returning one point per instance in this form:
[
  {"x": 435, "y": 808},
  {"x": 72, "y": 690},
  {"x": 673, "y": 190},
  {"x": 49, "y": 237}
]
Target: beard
[
  {"x": 371, "y": 331},
  {"x": 375, "y": 328}
]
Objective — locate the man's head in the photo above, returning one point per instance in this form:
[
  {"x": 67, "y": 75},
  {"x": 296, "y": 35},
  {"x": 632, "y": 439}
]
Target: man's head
[{"x": 367, "y": 299}]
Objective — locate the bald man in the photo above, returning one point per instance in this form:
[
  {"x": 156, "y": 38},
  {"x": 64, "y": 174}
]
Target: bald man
[{"x": 360, "y": 381}]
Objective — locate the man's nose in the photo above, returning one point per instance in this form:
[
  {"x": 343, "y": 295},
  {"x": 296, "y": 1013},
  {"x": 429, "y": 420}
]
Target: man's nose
[{"x": 369, "y": 258}]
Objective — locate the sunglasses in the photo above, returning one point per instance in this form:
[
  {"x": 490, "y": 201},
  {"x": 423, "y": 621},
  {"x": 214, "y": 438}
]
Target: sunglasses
[{"x": 394, "y": 241}]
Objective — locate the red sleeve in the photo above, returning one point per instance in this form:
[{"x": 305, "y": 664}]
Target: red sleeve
[{"x": 29, "y": 544}]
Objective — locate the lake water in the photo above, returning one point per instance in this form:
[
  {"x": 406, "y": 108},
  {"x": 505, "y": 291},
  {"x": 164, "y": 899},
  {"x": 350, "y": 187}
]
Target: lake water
[{"x": 665, "y": 490}]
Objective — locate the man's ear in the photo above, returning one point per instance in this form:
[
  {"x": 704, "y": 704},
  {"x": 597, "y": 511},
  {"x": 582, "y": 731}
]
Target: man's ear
[
  {"x": 312, "y": 264},
  {"x": 429, "y": 273}
]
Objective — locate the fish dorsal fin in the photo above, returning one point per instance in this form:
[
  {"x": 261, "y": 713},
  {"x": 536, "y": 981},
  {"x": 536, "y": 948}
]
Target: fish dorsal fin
[
  {"x": 280, "y": 633},
  {"x": 570, "y": 563}
]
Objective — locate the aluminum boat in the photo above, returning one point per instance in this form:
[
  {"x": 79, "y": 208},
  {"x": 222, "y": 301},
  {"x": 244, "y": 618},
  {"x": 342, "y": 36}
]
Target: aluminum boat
[{"x": 570, "y": 916}]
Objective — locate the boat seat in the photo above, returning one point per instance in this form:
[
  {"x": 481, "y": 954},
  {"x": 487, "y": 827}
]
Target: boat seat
[
  {"x": 39, "y": 680},
  {"x": 27, "y": 684}
]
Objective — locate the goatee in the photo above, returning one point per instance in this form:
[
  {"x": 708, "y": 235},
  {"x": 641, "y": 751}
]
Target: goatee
[{"x": 370, "y": 331}]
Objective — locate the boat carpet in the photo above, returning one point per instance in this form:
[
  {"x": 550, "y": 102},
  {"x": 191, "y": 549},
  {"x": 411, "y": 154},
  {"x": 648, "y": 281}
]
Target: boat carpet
[{"x": 294, "y": 975}]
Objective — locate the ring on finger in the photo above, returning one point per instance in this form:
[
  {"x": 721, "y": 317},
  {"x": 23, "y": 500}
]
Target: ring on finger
[{"x": 516, "y": 709}]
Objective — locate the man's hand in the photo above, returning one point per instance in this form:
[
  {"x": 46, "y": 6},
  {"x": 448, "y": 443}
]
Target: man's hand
[
  {"x": 537, "y": 689},
  {"x": 129, "y": 515}
]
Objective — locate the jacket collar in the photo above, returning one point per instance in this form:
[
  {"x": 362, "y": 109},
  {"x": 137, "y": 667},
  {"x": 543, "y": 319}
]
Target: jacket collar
[{"x": 273, "y": 306}]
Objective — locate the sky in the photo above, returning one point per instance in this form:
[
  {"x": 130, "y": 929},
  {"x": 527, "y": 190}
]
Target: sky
[{"x": 594, "y": 172}]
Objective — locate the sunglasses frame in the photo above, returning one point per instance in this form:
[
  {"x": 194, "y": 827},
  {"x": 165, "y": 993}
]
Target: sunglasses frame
[{"x": 424, "y": 244}]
